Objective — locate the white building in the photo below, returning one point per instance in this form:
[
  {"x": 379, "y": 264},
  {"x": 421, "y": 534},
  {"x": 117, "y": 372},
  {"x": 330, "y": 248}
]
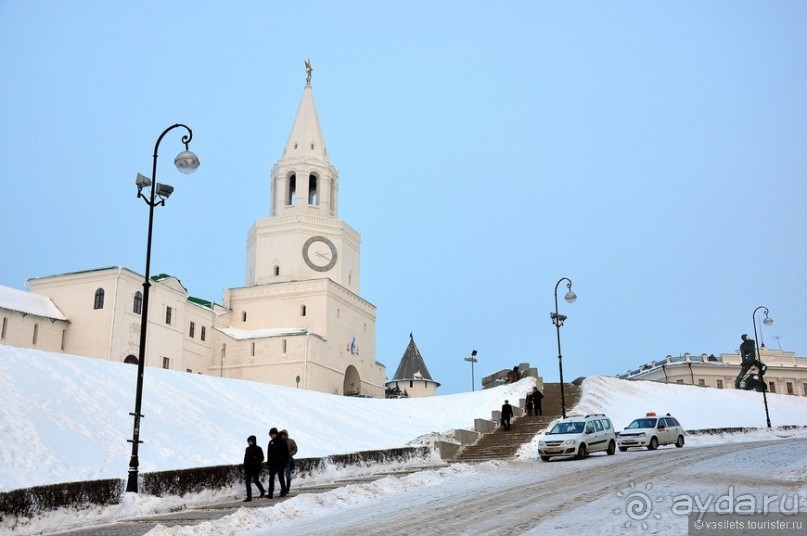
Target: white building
[
  {"x": 104, "y": 307},
  {"x": 31, "y": 321},
  {"x": 786, "y": 373},
  {"x": 298, "y": 321}
]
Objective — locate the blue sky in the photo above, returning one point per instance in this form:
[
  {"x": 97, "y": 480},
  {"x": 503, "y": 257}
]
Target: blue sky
[{"x": 654, "y": 153}]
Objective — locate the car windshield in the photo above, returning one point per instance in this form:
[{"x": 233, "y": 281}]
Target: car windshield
[
  {"x": 642, "y": 423},
  {"x": 567, "y": 428}
]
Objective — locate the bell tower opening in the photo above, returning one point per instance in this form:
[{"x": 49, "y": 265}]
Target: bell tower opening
[
  {"x": 313, "y": 194},
  {"x": 291, "y": 191}
]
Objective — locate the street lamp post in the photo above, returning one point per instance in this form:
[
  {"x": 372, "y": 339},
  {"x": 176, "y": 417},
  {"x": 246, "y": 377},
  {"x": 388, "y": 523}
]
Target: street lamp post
[
  {"x": 472, "y": 360},
  {"x": 186, "y": 162},
  {"x": 558, "y": 319},
  {"x": 767, "y": 321}
]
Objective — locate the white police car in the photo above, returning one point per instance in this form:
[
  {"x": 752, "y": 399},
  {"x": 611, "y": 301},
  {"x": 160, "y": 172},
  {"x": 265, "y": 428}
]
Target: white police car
[
  {"x": 578, "y": 436},
  {"x": 651, "y": 431}
]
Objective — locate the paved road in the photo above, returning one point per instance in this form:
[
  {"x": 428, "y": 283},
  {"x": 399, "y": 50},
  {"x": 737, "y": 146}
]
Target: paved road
[
  {"x": 533, "y": 497},
  {"x": 567, "y": 497}
]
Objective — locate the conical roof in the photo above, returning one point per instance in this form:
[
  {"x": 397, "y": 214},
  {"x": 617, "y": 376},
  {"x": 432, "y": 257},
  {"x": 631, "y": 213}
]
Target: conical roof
[
  {"x": 306, "y": 140},
  {"x": 412, "y": 366}
]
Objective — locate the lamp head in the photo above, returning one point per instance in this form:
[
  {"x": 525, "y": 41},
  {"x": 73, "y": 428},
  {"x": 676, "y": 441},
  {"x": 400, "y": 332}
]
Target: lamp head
[
  {"x": 142, "y": 182},
  {"x": 473, "y": 353},
  {"x": 768, "y": 321},
  {"x": 186, "y": 162},
  {"x": 164, "y": 190},
  {"x": 570, "y": 297}
]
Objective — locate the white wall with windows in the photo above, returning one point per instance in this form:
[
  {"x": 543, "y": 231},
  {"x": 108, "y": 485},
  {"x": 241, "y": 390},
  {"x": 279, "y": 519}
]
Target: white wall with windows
[{"x": 104, "y": 307}]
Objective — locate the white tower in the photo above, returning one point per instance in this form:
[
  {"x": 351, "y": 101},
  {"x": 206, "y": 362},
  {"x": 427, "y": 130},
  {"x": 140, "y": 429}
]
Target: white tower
[
  {"x": 303, "y": 237},
  {"x": 300, "y": 319}
]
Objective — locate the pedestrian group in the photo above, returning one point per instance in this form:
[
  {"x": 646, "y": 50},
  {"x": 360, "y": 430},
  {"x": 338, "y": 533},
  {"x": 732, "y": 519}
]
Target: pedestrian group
[{"x": 279, "y": 459}]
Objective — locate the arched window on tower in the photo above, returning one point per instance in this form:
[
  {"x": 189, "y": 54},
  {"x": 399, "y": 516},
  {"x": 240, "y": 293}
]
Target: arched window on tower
[
  {"x": 99, "y": 299},
  {"x": 313, "y": 193},
  {"x": 291, "y": 191},
  {"x": 137, "y": 307}
]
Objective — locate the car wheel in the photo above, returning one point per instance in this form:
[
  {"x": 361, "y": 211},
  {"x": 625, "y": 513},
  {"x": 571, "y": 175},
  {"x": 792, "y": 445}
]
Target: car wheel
[
  {"x": 581, "y": 452},
  {"x": 623, "y": 449},
  {"x": 611, "y": 448},
  {"x": 653, "y": 443},
  {"x": 680, "y": 442},
  {"x": 544, "y": 458}
]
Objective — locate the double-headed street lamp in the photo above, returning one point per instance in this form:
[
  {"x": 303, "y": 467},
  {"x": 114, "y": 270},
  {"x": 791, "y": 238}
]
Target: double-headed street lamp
[
  {"x": 767, "y": 321},
  {"x": 186, "y": 162},
  {"x": 472, "y": 360},
  {"x": 558, "y": 319}
]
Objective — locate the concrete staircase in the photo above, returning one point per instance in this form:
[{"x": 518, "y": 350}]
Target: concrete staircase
[{"x": 501, "y": 445}]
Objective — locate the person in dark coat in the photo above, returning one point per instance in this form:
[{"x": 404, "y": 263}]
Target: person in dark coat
[
  {"x": 292, "y": 451},
  {"x": 277, "y": 456},
  {"x": 253, "y": 458},
  {"x": 537, "y": 396},
  {"x": 528, "y": 404},
  {"x": 507, "y": 414}
]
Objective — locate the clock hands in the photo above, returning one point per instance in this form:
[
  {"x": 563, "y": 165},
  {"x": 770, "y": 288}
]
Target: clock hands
[{"x": 323, "y": 255}]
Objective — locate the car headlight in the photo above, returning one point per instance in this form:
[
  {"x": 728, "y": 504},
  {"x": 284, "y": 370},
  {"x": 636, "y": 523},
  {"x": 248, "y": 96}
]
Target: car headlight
[
  {"x": 541, "y": 444},
  {"x": 569, "y": 443}
]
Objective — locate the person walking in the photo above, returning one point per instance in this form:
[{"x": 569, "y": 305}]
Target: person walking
[
  {"x": 253, "y": 458},
  {"x": 277, "y": 456},
  {"x": 537, "y": 396},
  {"x": 507, "y": 414},
  {"x": 528, "y": 404},
  {"x": 292, "y": 451}
]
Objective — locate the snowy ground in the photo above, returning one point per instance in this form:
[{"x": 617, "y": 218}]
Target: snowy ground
[{"x": 53, "y": 429}]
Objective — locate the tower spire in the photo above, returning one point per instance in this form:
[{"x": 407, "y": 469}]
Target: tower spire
[{"x": 306, "y": 141}]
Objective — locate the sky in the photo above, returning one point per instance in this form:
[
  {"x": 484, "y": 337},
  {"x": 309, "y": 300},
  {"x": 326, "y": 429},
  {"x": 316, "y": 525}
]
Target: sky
[
  {"x": 66, "y": 418},
  {"x": 653, "y": 153}
]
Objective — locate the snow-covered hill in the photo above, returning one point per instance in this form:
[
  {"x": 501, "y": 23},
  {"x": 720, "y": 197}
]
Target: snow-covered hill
[{"x": 66, "y": 418}]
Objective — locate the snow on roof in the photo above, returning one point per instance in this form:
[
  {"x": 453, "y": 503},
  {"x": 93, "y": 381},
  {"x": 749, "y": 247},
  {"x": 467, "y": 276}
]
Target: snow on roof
[
  {"x": 29, "y": 303},
  {"x": 244, "y": 334}
]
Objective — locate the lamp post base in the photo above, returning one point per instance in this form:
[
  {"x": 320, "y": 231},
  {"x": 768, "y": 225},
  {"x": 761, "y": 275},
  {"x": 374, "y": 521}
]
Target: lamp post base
[{"x": 131, "y": 483}]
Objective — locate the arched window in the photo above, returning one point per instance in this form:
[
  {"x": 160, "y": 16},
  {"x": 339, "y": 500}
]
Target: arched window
[
  {"x": 99, "y": 299},
  {"x": 137, "y": 306},
  {"x": 313, "y": 194},
  {"x": 291, "y": 190}
]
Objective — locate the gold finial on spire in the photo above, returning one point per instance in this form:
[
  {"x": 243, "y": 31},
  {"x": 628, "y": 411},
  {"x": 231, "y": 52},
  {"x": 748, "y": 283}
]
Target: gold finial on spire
[{"x": 308, "y": 71}]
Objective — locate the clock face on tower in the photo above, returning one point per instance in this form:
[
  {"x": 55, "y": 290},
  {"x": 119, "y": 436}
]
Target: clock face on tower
[{"x": 319, "y": 253}]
